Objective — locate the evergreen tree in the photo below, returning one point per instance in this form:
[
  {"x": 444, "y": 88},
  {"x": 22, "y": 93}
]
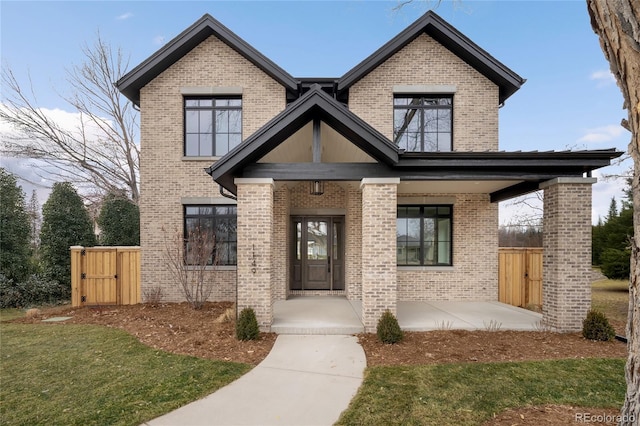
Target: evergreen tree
[
  {"x": 119, "y": 221},
  {"x": 611, "y": 242},
  {"x": 14, "y": 230},
  {"x": 65, "y": 223},
  {"x": 613, "y": 209},
  {"x": 35, "y": 222}
]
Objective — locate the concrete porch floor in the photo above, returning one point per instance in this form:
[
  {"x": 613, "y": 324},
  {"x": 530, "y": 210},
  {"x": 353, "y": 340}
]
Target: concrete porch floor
[{"x": 337, "y": 315}]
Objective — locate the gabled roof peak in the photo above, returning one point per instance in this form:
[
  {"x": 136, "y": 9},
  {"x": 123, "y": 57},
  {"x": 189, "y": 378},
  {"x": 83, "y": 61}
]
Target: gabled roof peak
[
  {"x": 131, "y": 83},
  {"x": 432, "y": 24}
]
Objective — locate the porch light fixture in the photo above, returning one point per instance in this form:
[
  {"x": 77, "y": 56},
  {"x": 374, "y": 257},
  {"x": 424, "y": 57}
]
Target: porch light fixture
[{"x": 316, "y": 187}]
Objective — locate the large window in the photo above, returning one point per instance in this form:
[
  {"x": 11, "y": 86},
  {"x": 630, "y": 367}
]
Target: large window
[
  {"x": 423, "y": 123},
  {"x": 216, "y": 221},
  {"x": 424, "y": 235},
  {"x": 213, "y": 126}
]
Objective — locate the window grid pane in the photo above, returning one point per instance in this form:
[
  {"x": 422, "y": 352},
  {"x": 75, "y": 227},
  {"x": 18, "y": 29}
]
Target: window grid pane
[
  {"x": 220, "y": 221},
  {"x": 423, "y": 124},
  {"x": 424, "y": 235},
  {"x": 213, "y": 126}
]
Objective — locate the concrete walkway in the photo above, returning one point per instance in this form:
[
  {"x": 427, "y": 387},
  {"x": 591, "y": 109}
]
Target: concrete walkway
[{"x": 305, "y": 380}]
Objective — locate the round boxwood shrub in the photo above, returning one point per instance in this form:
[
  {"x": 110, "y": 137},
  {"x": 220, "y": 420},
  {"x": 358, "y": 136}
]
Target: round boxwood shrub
[
  {"x": 247, "y": 325},
  {"x": 596, "y": 327},
  {"x": 388, "y": 328}
]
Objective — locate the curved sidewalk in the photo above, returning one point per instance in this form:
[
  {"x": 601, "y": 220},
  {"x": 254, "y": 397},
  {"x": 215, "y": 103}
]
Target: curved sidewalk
[{"x": 305, "y": 380}]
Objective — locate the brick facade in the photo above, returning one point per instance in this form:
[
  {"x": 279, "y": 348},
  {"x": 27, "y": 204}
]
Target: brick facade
[
  {"x": 424, "y": 61},
  {"x": 474, "y": 273},
  {"x": 165, "y": 176},
  {"x": 379, "y": 270},
  {"x": 566, "y": 291},
  {"x": 256, "y": 276}
]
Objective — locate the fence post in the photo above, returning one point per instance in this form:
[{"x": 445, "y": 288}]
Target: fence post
[{"x": 76, "y": 275}]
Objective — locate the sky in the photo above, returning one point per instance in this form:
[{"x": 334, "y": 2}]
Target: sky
[{"x": 570, "y": 99}]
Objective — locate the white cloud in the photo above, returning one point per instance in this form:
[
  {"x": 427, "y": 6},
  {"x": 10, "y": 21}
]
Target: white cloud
[
  {"x": 158, "y": 40},
  {"x": 602, "y": 134},
  {"x": 124, "y": 16},
  {"x": 603, "y": 78}
]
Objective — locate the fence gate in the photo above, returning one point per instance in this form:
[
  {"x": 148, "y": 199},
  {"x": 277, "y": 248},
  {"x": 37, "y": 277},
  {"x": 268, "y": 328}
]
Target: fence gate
[
  {"x": 105, "y": 276},
  {"x": 520, "y": 276}
]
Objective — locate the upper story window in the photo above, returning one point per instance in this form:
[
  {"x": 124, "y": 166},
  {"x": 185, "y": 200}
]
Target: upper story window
[
  {"x": 423, "y": 123},
  {"x": 424, "y": 235},
  {"x": 213, "y": 125},
  {"x": 211, "y": 228}
]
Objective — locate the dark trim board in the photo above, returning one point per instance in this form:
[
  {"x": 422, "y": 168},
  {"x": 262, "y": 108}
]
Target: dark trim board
[
  {"x": 131, "y": 83},
  {"x": 432, "y": 24}
]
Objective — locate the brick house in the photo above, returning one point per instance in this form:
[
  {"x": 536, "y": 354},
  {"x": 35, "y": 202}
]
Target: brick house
[{"x": 381, "y": 185}]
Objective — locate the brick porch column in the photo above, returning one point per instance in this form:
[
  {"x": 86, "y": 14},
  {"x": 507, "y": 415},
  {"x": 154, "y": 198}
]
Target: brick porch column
[
  {"x": 255, "y": 248},
  {"x": 566, "y": 281},
  {"x": 379, "y": 271}
]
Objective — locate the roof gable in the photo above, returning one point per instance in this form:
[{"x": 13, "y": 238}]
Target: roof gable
[
  {"x": 315, "y": 104},
  {"x": 433, "y": 25},
  {"x": 131, "y": 83}
]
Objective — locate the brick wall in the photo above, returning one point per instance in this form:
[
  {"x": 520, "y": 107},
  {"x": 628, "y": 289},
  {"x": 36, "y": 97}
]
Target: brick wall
[
  {"x": 379, "y": 289},
  {"x": 353, "y": 244},
  {"x": 474, "y": 274},
  {"x": 165, "y": 176},
  {"x": 424, "y": 61},
  {"x": 567, "y": 252},
  {"x": 255, "y": 248},
  {"x": 281, "y": 243}
]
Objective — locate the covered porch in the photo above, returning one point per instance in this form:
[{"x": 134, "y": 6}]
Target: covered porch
[{"x": 337, "y": 315}]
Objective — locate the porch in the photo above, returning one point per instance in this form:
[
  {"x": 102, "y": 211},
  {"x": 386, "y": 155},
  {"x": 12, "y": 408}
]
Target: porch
[{"x": 337, "y": 315}]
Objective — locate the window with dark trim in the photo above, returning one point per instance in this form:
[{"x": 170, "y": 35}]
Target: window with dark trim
[
  {"x": 423, "y": 123},
  {"x": 216, "y": 220},
  {"x": 212, "y": 125},
  {"x": 424, "y": 235}
]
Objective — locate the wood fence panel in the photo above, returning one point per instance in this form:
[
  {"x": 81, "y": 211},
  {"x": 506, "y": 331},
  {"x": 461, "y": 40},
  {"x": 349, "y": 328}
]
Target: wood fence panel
[
  {"x": 520, "y": 276},
  {"x": 129, "y": 277},
  {"x": 105, "y": 276}
]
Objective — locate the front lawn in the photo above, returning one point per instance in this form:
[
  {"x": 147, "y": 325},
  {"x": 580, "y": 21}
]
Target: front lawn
[
  {"x": 611, "y": 297},
  {"x": 471, "y": 393},
  {"x": 82, "y": 375}
]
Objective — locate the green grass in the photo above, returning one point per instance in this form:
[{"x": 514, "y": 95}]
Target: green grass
[
  {"x": 9, "y": 314},
  {"x": 455, "y": 394},
  {"x": 91, "y": 375},
  {"x": 611, "y": 297}
]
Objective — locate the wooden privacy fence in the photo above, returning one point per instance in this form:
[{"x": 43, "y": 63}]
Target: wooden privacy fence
[
  {"x": 520, "y": 276},
  {"x": 105, "y": 276}
]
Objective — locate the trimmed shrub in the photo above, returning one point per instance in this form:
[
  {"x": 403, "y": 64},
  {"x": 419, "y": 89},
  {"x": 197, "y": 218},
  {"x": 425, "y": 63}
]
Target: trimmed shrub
[
  {"x": 247, "y": 325},
  {"x": 35, "y": 290},
  {"x": 388, "y": 329},
  {"x": 596, "y": 327}
]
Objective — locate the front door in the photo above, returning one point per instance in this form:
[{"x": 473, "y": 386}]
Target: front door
[{"x": 318, "y": 253}]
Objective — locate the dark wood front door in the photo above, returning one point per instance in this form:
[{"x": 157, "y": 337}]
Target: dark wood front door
[{"x": 317, "y": 253}]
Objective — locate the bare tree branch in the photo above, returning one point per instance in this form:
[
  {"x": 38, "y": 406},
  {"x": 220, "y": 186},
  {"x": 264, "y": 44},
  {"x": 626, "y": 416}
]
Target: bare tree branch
[{"x": 100, "y": 151}]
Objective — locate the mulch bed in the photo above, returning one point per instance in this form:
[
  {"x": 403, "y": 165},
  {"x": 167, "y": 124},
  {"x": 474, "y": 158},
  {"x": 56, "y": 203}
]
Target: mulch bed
[{"x": 175, "y": 327}]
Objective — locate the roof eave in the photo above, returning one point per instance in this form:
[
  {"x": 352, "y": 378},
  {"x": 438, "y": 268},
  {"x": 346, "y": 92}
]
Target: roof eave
[
  {"x": 432, "y": 24},
  {"x": 131, "y": 83}
]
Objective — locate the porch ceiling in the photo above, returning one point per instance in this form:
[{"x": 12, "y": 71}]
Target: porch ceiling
[{"x": 334, "y": 148}]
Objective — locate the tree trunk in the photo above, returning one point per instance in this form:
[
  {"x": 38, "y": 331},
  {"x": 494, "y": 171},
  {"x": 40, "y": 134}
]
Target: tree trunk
[{"x": 617, "y": 23}]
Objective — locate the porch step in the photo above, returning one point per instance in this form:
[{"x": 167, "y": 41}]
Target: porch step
[
  {"x": 318, "y": 329},
  {"x": 329, "y": 315}
]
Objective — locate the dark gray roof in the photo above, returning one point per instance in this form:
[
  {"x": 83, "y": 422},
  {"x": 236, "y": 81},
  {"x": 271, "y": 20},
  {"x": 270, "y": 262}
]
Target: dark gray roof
[
  {"x": 131, "y": 83},
  {"x": 313, "y": 104},
  {"x": 433, "y": 25}
]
